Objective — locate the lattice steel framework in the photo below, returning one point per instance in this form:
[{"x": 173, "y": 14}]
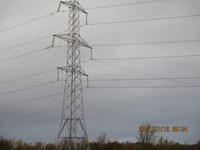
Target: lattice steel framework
[{"x": 72, "y": 132}]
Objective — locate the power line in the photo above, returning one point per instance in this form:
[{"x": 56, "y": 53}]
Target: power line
[
  {"x": 26, "y": 9},
  {"x": 147, "y": 87},
  {"x": 27, "y": 22},
  {"x": 142, "y": 20},
  {"x": 58, "y": 94},
  {"x": 104, "y": 45},
  {"x": 141, "y": 72},
  {"x": 136, "y": 79},
  {"x": 34, "y": 99},
  {"x": 31, "y": 100},
  {"x": 147, "y": 43},
  {"x": 153, "y": 57},
  {"x": 128, "y": 69},
  {"x": 98, "y": 7},
  {"x": 26, "y": 54},
  {"x": 126, "y": 4},
  {"x": 26, "y": 88},
  {"x": 30, "y": 53},
  {"x": 28, "y": 76},
  {"x": 144, "y": 43},
  {"x": 25, "y": 43},
  {"x": 85, "y": 61},
  {"x": 29, "y": 42}
]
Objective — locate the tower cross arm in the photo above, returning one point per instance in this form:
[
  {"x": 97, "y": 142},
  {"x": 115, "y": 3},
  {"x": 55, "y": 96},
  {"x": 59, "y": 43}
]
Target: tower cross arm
[
  {"x": 73, "y": 38},
  {"x": 68, "y": 69},
  {"x": 75, "y": 5}
]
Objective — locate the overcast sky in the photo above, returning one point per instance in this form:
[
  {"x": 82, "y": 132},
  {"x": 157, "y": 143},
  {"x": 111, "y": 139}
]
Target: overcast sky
[{"x": 118, "y": 112}]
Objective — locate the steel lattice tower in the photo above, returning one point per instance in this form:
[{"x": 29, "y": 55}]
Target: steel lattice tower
[{"x": 72, "y": 132}]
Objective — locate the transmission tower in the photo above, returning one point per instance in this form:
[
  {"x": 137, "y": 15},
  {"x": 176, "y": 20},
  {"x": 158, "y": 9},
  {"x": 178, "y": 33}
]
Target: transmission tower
[{"x": 72, "y": 132}]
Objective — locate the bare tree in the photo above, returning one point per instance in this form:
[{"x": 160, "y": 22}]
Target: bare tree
[
  {"x": 146, "y": 134},
  {"x": 102, "y": 138}
]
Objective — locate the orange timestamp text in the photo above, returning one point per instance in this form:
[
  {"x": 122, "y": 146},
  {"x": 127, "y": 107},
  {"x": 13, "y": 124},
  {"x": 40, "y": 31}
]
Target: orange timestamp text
[{"x": 174, "y": 129}]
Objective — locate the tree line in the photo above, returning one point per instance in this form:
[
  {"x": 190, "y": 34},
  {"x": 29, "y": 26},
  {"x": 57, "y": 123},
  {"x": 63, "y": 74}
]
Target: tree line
[
  {"x": 146, "y": 140},
  {"x": 163, "y": 144}
]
